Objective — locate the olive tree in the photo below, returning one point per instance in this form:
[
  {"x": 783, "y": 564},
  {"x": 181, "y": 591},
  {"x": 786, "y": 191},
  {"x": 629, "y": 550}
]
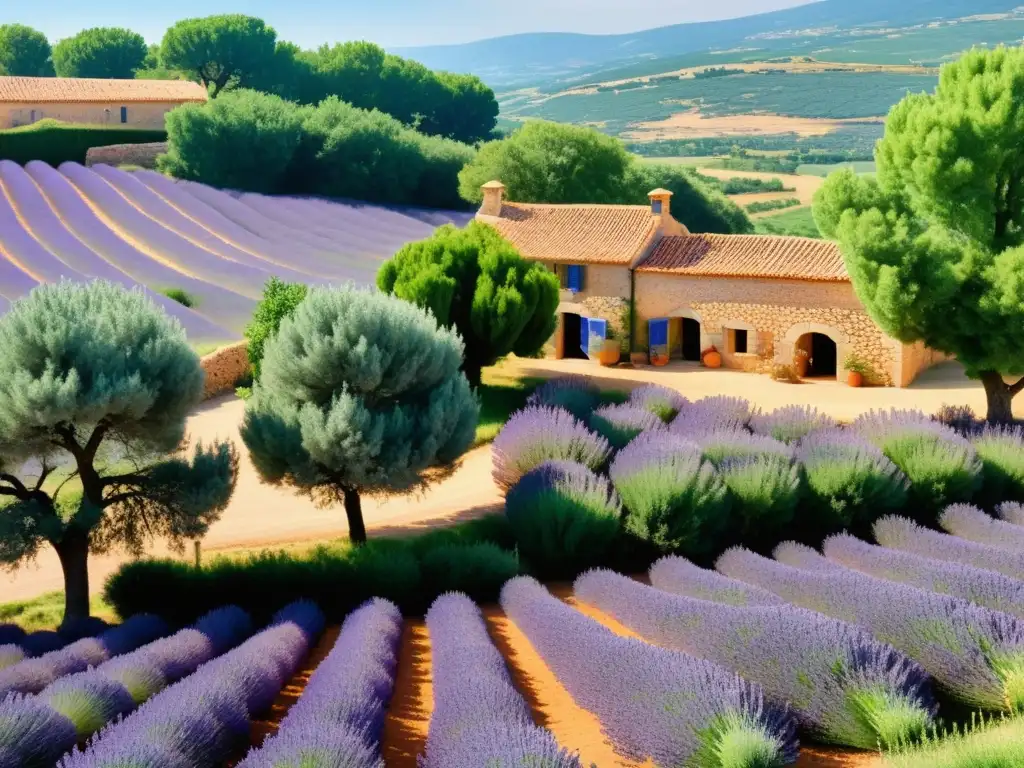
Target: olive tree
[
  {"x": 935, "y": 244},
  {"x": 359, "y": 393},
  {"x": 95, "y": 386},
  {"x": 226, "y": 51},
  {"x": 474, "y": 280}
]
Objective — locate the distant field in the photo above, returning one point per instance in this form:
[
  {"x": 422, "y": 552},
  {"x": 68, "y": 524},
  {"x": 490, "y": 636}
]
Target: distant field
[
  {"x": 798, "y": 222},
  {"x": 866, "y": 166}
]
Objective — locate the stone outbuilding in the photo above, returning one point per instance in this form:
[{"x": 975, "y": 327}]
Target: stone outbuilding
[
  {"x": 129, "y": 103},
  {"x": 642, "y": 275}
]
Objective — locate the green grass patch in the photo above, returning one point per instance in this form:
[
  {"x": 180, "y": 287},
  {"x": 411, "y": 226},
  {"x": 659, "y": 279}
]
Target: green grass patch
[
  {"x": 760, "y": 206},
  {"x": 181, "y": 296},
  {"x": 47, "y": 611},
  {"x": 797, "y": 222},
  {"x": 996, "y": 743}
]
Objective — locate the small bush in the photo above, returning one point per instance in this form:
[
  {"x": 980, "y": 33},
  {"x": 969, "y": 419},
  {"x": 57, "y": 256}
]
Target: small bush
[
  {"x": 663, "y": 402},
  {"x": 575, "y": 394},
  {"x": 760, "y": 206},
  {"x": 619, "y": 424},
  {"x": 181, "y": 296},
  {"x": 1001, "y": 450},
  {"x": 54, "y": 142},
  {"x": 730, "y": 444},
  {"x": 765, "y": 491},
  {"x": 478, "y": 570},
  {"x": 784, "y": 373},
  {"x": 280, "y": 299},
  {"x": 790, "y": 423},
  {"x": 962, "y": 418},
  {"x": 565, "y": 519},
  {"x": 710, "y": 414}
]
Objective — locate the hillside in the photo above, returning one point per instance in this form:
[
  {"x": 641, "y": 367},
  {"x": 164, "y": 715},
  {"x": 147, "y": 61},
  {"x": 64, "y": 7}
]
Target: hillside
[{"x": 530, "y": 59}]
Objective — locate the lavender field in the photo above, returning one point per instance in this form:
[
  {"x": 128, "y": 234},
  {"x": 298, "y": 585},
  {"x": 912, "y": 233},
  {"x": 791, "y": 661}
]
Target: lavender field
[{"x": 218, "y": 247}]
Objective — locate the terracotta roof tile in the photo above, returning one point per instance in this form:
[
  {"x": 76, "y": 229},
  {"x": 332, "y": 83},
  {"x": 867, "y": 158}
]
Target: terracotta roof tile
[
  {"x": 50, "y": 90},
  {"x": 771, "y": 256},
  {"x": 577, "y": 234}
]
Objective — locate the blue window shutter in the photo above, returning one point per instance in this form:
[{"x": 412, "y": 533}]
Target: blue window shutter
[
  {"x": 124, "y": 114},
  {"x": 575, "y": 277},
  {"x": 598, "y": 329},
  {"x": 585, "y": 335},
  {"x": 659, "y": 332}
]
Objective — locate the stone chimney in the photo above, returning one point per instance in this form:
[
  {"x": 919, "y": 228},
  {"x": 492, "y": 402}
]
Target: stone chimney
[
  {"x": 494, "y": 193},
  {"x": 661, "y": 203}
]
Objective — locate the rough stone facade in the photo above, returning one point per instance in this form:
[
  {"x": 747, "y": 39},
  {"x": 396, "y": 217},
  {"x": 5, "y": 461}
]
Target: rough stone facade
[
  {"x": 224, "y": 368},
  {"x": 142, "y": 155},
  {"x": 605, "y": 295}
]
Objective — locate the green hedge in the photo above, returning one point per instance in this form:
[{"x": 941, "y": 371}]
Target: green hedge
[{"x": 55, "y": 142}]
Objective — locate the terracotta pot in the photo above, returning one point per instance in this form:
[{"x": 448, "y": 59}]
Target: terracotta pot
[
  {"x": 713, "y": 360},
  {"x": 854, "y": 378},
  {"x": 639, "y": 358},
  {"x": 659, "y": 360},
  {"x": 800, "y": 365},
  {"x": 610, "y": 352}
]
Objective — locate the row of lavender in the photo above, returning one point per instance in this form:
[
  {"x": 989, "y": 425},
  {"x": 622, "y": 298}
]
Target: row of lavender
[
  {"x": 696, "y": 477},
  {"x": 17, "y": 645}
]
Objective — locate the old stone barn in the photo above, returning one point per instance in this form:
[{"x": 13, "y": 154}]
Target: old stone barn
[{"x": 755, "y": 298}]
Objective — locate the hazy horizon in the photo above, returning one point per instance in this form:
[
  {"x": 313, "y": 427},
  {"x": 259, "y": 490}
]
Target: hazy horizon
[{"x": 394, "y": 23}]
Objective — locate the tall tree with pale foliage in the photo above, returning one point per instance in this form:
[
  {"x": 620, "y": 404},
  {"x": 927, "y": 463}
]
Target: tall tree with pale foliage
[
  {"x": 935, "y": 243},
  {"x": 95, "y": 386},
  {"x": 359, "y": 393}
]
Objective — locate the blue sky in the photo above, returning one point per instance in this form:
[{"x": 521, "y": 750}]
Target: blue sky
[{"x": 388, "y": 22}]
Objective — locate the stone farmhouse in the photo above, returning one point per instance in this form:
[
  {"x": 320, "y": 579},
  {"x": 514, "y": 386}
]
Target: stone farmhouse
[
  {"x": 755, "y": 298},
  {"x": 129, "y": 103}
]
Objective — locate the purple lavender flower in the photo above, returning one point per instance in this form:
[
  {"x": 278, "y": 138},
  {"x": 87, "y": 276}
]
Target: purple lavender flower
[
  {"x": 969, "y": 522},
  {"x": 905, "y": 535},
  {"x": 651, "y": 702},
  {"x": 619, "y": 424},
  {"x": 474, "y": 698},
  {"x": 316, "y": 743},
  {"x": 88, "y": 699},
  {"x": 663, "y": 402},
  {"x": 1001, "y": 450},
  {"x": 535, "y": 435},
  {"x": 675, "y": 499},
  {"x": 974, "y": 654},
  {"x": 681, "y": 577},
  {"x": 576, "y": 394},
  {"x": 722, "y": 444},
  {"x": 790, "y": 423},
  {"x": 1011, "y": 512},
  {"x": 844, "y": 686},
  {"x": 985, "y": 588},
  {"x": 710, "y": 414},
  {"x": 31, "y": 733}
]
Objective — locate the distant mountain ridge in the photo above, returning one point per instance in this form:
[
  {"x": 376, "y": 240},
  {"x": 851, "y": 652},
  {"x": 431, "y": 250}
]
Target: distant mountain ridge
[{"x": 527, "y": 58}]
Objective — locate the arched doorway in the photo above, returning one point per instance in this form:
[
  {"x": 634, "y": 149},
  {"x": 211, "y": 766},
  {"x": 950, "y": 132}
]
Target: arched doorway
[
  {"x": 823, "y": 355},
  {"x": 572, "y": 349},
  {"x": 691, "y": 339}
]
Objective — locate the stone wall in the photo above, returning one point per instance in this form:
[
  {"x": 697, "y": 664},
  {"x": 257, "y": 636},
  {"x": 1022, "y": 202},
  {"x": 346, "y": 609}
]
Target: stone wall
[
  {"x": 605, "y": 295},
  {"x": 916, "y": 358},
  {"x": 140, "y": 114},
  {"x": 224, "y": 368},
  {"x": 143, "y": 155}
]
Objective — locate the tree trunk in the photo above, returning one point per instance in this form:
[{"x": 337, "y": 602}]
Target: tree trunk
[
  {"x": 354, "y": 511},
  {"x": 73, "y": 551},
  {"x": 1000, "y": 396}
]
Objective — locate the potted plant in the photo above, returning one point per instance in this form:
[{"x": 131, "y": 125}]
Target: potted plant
[
  {"x": 858, "y": 370},
  {"x": 711, "y": 357},
  {"x": 801, "y": 362},
  {"x": 611, "y": 349}
]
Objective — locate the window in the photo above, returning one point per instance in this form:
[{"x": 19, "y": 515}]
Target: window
[
  {"x": 124, "y": 114},
  {"x": 570, "y": 276},
  {"x": 737, "y": 341}
]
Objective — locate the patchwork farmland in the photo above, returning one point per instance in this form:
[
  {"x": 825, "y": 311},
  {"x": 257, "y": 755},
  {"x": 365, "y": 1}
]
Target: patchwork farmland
[{"x": 215, "y": 249}]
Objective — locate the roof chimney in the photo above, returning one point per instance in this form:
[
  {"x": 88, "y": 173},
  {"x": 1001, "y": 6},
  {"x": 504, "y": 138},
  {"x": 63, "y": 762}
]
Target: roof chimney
[
  {"x": 661, "y": 203},
  {"x": 494, "y": 192}
]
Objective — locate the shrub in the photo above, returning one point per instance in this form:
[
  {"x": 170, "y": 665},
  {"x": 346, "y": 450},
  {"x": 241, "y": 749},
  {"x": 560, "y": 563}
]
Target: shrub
[
  {"x": 975, "y": 655},
  {"x": 849, "y": 482},
  {"x": 675, "y": 500},
  {"x": 54, "y": 142},
  {"x": 844, "y": 686},
  {"x": 181, "y": 296},
  {"x": 538, "y": 434},
  {"x": 619, "y": 424},
  {"x": 478, "y": 570},
  {"x": 962, "y": 418},
  {"x": 667, "y": 705},
  {"x": 790, "y": 423},
  {"x": 280, "y": 300},
  {"x": 575, "y": 394},
  {"x": 765, "y": 491},
  {"x": 1001, "y": 450},
  {"x": 709, "y": 414},
  {"x": 969, "y": 522},
  {"x": 731, "y": 444},
  {"x": 663, "y": 402},
  {"x": 1011, "y": 513},
  {"x": 565, "y": 518},
  {"x": 785, "y": 373},
  {"x": 760, "y": 206}
]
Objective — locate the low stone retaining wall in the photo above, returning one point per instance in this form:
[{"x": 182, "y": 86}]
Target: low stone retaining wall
[
  {"x": 224, "y": 368},
  {"x": 143, "y": 155}
]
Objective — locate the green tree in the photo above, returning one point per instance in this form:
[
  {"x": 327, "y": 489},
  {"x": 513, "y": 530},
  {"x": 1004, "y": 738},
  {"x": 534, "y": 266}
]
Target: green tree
[
  {"x": 935, "y": 243},
  {"x": 695, "y": 201},
  {"x": 95, "y": 386},
  {"x": 475, "y": 281},
  {"x": 24, "y": 52},
  {"x": 101, "y": 52},
  {"x": 359, "y": 393},
  {"x": 280, "y": 299},
  {"x": 228, "y": 51}
]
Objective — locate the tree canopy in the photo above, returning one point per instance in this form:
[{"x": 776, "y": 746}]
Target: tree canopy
[
  {"x": 220, "y": 51},
  {"x": 546, "y": 162},
  {"x": 24, "y": 52},
  {"x": 280, "y": 300},
  {"x": 360, "y": 393},
  {"x": 101, "y": 52},
  {"x": 935, "y": 243},
  {"x": 475, "y": 281},
  {"x": 95, "y": 386}
]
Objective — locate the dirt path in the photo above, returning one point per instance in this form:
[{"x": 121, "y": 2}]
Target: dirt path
[{"x": 408, "y": 719}]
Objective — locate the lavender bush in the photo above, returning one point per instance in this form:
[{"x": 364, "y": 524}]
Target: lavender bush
[
  {"x": 28, "y": 731},
  {"x": 88, "y": 699},
  {"x": 725, "y": 444},
  {"x": 941, "y": 465},
  {"x": 564, "y": 517},
  {"x": 791, "y": 423},
  {"x": 340, "y": 716},
  {"x": 10, "y": 655},
  {"x": 652, "y": 702},
  {"x": 535, "y": 435},
  {"x": 32, "y": 675},
  {"x": 906, "y": 536},
  {"x": 985, "y": 588},
  {"x": 575, "y": 394},
  {"x": 844, "y": 686},
  {"x": 619, "y": 424},
  {"x": 1011, "y": 512},
  {"x": 975, "y": 655},
  {"x": 681, "y": 577},
  {"x": 969, "y": 522},
  {"x": 1001, "y": 451},
  {"x": 675, "y": 499},
  {"x": 199, "y": 721},
  {"x": 474, "y": 698},
  {"x": 849, "y": 482},
  {"x": 663, "y": 402},
  {"x": 765, "y": 491},
  {"x": 710, "y": 414}
]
